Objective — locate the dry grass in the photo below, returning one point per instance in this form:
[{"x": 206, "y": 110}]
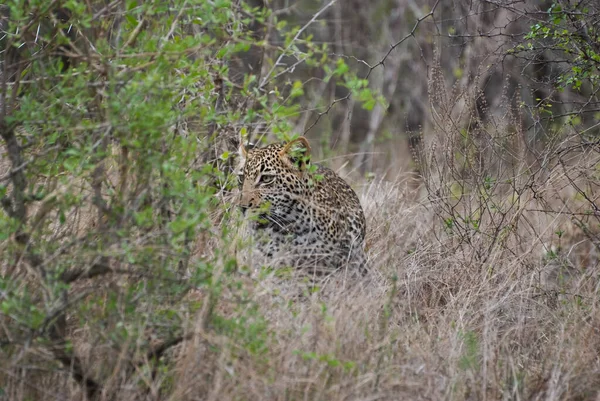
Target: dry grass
[
  {"x": 508, "y": 310},
  {"x": 430, "y": 322},
  {"x": 484, "y": 275}
]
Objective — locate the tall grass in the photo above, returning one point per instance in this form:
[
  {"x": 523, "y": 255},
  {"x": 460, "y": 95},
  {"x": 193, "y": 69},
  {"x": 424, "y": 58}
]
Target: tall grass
[
  {"x": 128, "y": 275},
  {"x": 431, "y": 321}
]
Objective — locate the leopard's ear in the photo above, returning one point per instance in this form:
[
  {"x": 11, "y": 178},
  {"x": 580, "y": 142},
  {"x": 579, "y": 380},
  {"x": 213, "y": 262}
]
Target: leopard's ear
[
  {"x": 243, "y": 150},
  {"x": 240, "y": 162},
  {"x": 297, "y": 153}
]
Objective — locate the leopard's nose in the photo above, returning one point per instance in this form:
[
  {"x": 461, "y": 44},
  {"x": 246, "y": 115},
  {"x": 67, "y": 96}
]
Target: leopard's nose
[{"x": 244, "y": 208}]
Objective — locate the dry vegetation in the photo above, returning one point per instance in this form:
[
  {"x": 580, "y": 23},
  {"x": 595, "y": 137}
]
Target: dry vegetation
[
  {"x": 505, "y": 311},
  {"x": 128, "y": 276}
]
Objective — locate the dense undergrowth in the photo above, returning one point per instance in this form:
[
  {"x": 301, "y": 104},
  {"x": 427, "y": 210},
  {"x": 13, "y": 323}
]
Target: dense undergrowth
[{"x": 124, "y": 267}]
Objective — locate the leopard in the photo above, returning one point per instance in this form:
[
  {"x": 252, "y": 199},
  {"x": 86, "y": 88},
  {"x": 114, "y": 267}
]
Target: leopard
[{"x": 301, "y": 214}]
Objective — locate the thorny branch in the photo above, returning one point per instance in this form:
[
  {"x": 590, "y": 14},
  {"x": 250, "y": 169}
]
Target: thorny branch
[
  {"x": 379, "y": 63},
  {"x": 277, "y": 63}
]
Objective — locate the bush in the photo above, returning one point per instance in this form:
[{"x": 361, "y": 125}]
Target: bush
[{"x": 122, "y": 273}]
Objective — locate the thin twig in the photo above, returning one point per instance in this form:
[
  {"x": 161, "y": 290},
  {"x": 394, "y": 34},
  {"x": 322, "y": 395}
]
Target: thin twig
[
  {"x": 267, "y": 78},
  {"x": 380, "y": 63}
]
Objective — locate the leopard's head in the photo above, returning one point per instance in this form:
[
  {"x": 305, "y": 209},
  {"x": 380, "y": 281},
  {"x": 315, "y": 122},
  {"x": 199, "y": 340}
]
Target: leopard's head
[{"x": 272, "y": 177}]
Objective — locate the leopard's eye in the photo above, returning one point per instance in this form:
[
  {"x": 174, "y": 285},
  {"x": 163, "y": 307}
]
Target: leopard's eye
[{"x": 266, "y": 179}]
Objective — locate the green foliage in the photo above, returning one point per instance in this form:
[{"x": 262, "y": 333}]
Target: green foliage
[
  {"x": 469, "y": 359},
  {"x": 567, "y": 30},
  {"x": 329, "y": 360},
  {"x": 358, "y": 87},
  {"x": 115, "y": 109}
]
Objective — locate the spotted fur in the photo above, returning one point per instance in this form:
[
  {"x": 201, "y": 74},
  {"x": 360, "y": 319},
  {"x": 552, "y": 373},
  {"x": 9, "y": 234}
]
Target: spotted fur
[{"x": 304, "y": 215}]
